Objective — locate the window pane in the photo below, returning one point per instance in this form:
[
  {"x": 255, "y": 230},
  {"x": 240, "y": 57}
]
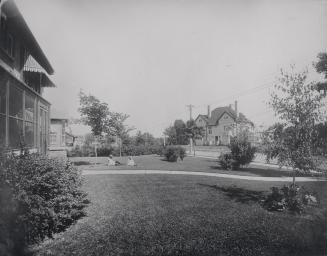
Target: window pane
[
  {"x": 29, "y": 107},
  {"x": 15, "y": 102},
  {"x": 29, "y": 134},
  {"x": 15, "y": 133},
  {"x": 2, "y": 97},
  {"x": 53, "y": 138},
  {"x": 2, "y": 131}
]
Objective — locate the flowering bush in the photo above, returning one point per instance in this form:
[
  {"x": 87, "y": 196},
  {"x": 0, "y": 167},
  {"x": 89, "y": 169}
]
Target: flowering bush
[
  {"x": 290, "y": 197},
  {"x": 41, "y": 196}
]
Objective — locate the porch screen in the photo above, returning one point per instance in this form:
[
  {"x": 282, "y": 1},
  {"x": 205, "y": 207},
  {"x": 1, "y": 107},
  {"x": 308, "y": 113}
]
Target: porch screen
[
  {"x": 2, "y": 131},
  {"x": 15, "y": 102},
  {"x": 3, "y": 97},
  {"x": 2, "y": 113},
  {"x": 15, "y": 117},
  {"x": 30, "y": 121}
]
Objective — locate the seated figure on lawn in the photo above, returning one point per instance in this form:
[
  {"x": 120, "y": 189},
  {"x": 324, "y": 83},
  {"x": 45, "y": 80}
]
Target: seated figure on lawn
[
  {"x": 112, "y": 162},
  {"x": 130, "y": 161}
]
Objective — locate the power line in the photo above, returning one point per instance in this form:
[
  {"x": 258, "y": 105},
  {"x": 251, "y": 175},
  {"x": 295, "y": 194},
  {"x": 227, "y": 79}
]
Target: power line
[{"x": 248, "y": 91}]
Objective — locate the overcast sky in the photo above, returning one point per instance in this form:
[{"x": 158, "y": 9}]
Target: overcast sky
[{"x": 150, "y": 59}]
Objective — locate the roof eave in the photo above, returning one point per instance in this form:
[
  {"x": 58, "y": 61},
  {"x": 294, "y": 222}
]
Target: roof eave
[{"x": 15, "y": 15}]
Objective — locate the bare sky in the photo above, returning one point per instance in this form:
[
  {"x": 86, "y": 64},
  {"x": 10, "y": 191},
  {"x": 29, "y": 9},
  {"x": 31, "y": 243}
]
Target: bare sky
[{"x": 150, "y": 59}]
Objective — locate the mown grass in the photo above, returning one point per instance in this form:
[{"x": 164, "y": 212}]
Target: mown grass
[
  {"x": 186, "y": 215},
  {"x": 195, "y": 164}
]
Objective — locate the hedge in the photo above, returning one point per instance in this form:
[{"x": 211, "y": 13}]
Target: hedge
[{"x": 41, "y": 197}]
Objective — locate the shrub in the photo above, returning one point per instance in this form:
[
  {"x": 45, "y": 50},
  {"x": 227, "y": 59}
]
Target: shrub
[
  {"x": 105, "y": 151},
  {"x": 241, "y": 153},
  {"x": 241, "y": 149},
  {"x": 182, "y": 153},
  {"x": 42, "y": 197},
  {"x": 137, "y": 150},
  {"x": 172, "y": 153},
  {"x": 227, "y": 162},
  {"x": 290, "y": 197}
]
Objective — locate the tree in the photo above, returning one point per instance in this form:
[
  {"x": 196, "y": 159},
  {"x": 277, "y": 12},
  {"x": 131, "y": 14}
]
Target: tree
[
  {"x": 102, "y": 121},
  {"x": 193, "y": 132},
  {"x": 321, "y": 67},
  {"x": 145, "y": 139},
  {"x": 180, "y": 128},
  {"x": 321, "y": 64},
  {"x": 298, "y": 106},
  {"x": 94, "y": 113},
  {"x": 170, "y": 132},
  {"x": 321, "y": 130}
]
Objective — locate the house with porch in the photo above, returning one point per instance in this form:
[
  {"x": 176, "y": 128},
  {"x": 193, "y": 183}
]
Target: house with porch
[
  {"x": 221, "y": 124},
  {"x": 24, "y": 73},
  {"x": 61, "y": 137}
]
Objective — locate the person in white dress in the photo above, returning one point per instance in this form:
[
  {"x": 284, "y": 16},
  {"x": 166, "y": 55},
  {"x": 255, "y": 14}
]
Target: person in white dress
[
  {"x": 130, "y": 161},
  {"x": 111, "y": 162}
]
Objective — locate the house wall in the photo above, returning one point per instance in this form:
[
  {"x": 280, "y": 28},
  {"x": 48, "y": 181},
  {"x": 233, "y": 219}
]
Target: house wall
[
  {"x": 221, "y": 133},
  {"x": 24, "y": 114},
  {"x": 200, "y": 122},
  {"x": 57, "y": 134},
  {"x": 11, "y": 38}
]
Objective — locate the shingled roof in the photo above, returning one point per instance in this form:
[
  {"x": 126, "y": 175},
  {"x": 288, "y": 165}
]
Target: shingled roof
[
  {"x": 217, "y": 113},
  {"x": 205, "y": 117}
]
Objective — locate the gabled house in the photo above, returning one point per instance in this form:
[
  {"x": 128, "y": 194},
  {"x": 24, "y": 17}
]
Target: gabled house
[
  {"x": 24, "y": 73},
  {"x": 61, "y": 137},
  {"x": 221, "y": 124}
]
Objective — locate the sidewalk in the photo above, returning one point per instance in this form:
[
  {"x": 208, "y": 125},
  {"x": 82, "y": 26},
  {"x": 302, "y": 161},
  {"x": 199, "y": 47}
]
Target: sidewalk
[
  {"x": 257, "y": 162},
  {"x": 218, "y": 175}
]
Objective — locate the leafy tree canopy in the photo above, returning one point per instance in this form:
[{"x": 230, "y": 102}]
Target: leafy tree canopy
[
  {"x": 298, "y": 106},
  {"x": 102, "y": 121},
  {"x": 321, "y": 64}
]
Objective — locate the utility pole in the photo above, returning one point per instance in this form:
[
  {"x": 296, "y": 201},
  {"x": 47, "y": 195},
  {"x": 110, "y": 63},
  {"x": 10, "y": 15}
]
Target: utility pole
[{"x": 190, "y": 107}]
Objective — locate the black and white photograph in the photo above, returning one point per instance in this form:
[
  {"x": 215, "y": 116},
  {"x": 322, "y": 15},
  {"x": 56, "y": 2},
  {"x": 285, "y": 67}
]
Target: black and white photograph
[{"x": 163, "y": 127}]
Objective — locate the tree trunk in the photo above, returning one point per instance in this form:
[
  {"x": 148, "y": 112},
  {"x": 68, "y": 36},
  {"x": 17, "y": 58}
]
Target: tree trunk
[
  {"x": 193, "y": 148},
  {"x": 120, "y": 144}
]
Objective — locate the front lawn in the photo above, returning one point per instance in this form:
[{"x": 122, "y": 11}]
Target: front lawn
[
  {"x": 185, "y": 215},
  {"x": 195, "y": 164}
]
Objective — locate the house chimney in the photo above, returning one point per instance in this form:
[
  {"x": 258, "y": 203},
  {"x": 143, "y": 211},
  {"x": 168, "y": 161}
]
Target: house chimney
[
  {"x": 236, "y": 108},
  {"x": 208, "y": 111}
]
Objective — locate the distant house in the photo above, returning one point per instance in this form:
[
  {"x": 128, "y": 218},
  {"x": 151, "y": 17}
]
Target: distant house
[
  {"x": 24, "y": 70},
  {"x": 61, "y": 137},
  {"x": 221, "y": 124}
]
